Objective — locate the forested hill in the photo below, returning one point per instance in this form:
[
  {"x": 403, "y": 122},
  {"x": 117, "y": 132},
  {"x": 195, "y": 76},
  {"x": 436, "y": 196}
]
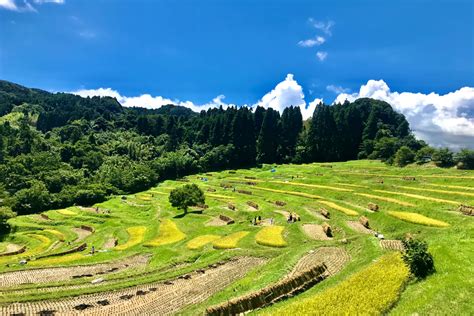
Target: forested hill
[{"x": 60, "y": 149}]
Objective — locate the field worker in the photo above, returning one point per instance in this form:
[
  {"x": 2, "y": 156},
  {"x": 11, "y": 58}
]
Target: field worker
[{"x": 92, "y": 250}]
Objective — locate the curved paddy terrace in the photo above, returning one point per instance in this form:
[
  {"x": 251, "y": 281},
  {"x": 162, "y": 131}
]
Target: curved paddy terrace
[{"x": 138, "y": 255}]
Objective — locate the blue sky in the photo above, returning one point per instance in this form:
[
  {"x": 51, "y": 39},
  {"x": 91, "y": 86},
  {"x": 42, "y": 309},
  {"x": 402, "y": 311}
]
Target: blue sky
[{"x": 197, "y": 50}]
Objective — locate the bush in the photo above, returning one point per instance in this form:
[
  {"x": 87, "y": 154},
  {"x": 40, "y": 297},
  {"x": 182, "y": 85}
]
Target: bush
[
  {"x": 424, "y": 155},
  {"x": 417, "y": 258},
  {"x": 465, "y": 159},
  {"x": 443, "y": 158},
  {"x": 404, "y": 156}
]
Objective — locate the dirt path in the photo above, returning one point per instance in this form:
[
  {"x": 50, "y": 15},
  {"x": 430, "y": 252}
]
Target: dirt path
[
  {"x": 160, "y": 298},
  {"x": 110, "y": 243},
  {"x": 334, "y": 258},
  {"x": 37, "y": 276},
  {"x": 358, "y": 227},
  {"x": 392, "y": 245},
  {"x": 315, "y": 232},
  {"x": 81, "y": 233}
]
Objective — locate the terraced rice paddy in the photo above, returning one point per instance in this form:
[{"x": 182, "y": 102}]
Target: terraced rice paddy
[
  {"x": 271, "y": 236},
  {"x": 150, "y": 259},
  {"x": 168, "y": 233},
  {"x": 418, "y": 219}
]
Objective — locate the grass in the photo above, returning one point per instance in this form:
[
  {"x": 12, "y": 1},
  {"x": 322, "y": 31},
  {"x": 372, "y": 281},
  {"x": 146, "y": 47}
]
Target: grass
[
  {"x": 201, "y": 241},
  {"x": 318, "y": 186},
  {"x": 271, "y": 236},
  {"x": 437, "y": 191},
  {"x": 136, "y": 235},
  {"x": 386, "y": 199},
  {"x": 418, "y": 219},
  {"x": 372, "y": 291},
  {"x": 420, "y": 197},
  {"x": 339, "y": 208},
  {"x": 134, "y": 222},
  {"x": 169, "y": 233},
  {"x": 230, "y": 241}
]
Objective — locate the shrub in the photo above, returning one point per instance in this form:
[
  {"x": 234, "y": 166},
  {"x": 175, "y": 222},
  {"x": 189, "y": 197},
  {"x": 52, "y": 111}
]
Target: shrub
[
  {"x": 417, "y": 258},
  {"x": 404, "y": 156},
  {"x": 424, "y": 155},
  {"x": 443, "y": 158},
  {"x": 465, "y": 159}
]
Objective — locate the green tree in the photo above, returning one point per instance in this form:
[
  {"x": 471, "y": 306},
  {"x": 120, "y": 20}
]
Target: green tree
[
  {"x": 424, "y": 155},
  {"x": 34, "y": 199},
  {"x": 404, "y": 156},
  {"x": 443, "y": 158},
  {"x": 465, "y": 159},
  {"x": 5, "y": 214},
  {"x": 417, "y": 258},
  {"x": 186, "y": 196}
]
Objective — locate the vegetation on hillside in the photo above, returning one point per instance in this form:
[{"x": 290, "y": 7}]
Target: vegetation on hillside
[{"x": 58, "y": 150}]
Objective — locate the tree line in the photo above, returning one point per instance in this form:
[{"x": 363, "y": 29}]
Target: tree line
[{"x": 59, "y": 149}]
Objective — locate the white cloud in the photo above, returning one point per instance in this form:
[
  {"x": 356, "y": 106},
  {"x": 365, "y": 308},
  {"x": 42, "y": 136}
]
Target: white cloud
[
  {"x": 87, "y": 34},
  {"x": 25, "y": 5},
  {"x": 322, "y": 26},
  {"x": 337, "y": 89},
  {"x": 318, "y": 40},
  {"x": 49, "y": 1},
  {"x": 441, "y": 120},
  {"x": 322, "y": 55},
  {"x": 150, "y": 102},
  {"x": 286, "y": 93},
  {"x": 8, "y": 4}
]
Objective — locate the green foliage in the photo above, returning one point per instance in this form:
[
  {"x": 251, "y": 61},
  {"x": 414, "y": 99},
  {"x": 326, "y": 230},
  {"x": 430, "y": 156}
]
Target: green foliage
[
  {"x": 403, "y": 156},
  {"x": 424, "y": 155},
  {"x": 34, "y": 199},
  {"x": 186, "y": 196},
  {"x": 417, "y": 258},
  {"x": 465, "y": 159},
  {"x": 443, "y": 158},
  {"x": 5, "y": 214}
]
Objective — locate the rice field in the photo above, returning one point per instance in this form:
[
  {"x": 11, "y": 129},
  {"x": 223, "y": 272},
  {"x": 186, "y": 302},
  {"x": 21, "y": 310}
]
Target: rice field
[
  {"x": 230, "y": 241},
  {"x": 136, "y": 235},
  {"x": 271, "y": 236},
  {"x": 371, "y": 291},
  {"x": 139, "y": 243},
  {"x": 200, "y": 241},
  {"x": 418, "y": 219},
  {"x": 168, "y": 233}
]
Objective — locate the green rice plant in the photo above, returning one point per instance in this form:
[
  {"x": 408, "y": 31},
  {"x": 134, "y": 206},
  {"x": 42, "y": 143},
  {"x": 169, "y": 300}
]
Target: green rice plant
[
  {"x": 271, "y": 236},
  {"x": 386, "y": 199},
  {"x": 418, "y": 219},
  {"x": 420, "y": 197}
]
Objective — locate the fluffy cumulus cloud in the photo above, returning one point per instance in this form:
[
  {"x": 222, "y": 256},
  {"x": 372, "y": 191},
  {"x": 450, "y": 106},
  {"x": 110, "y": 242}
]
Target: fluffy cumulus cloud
[
  {"x": 441, "y": 120},
  {"x": 286, "y": 93},
  {"x": 151, "y": 102},
  {"x": 24, "y": 5}
]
